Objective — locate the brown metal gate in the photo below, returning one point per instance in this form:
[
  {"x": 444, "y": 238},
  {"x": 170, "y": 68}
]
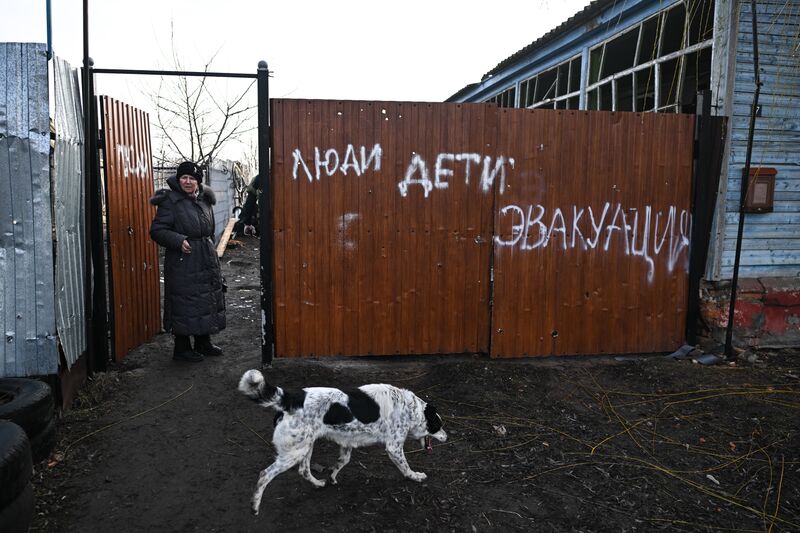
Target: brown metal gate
[
  {"x": 592, "y": 233},
  {"x": 366, "y": 263},
  {"x": 390, "y": 218},
  {"x": 133, "y": 255}
]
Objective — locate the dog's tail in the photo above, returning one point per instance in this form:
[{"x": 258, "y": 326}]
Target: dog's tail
[{"x": 254, "y": 386}]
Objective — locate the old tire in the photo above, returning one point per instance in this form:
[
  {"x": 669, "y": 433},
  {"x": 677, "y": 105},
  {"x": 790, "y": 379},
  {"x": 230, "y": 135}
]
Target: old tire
[
  {"x": 17, "y": 516},
  {"x": 15, "y": 463},
  {"x": 43, "y": 442},
  {"x": 28, "y": 403}
]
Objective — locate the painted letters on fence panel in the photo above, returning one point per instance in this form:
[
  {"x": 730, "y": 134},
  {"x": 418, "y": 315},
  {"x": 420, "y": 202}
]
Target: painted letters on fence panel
[
  {"x": 133, "y": 255},
  {"x": 386, "y": 214},
  {"x": 592, "y": 234},
  {"x": 382, "y": 226}
]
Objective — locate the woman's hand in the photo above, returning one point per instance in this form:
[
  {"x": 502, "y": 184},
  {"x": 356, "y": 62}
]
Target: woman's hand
[{"x": 186, "y": 247}]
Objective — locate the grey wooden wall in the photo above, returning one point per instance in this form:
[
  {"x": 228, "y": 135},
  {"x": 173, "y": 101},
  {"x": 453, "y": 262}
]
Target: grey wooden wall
[{"x": 771, "y": 241}]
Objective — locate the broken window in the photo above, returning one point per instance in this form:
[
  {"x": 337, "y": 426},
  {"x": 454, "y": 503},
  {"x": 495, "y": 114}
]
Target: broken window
[
  {"x": 658, "y": 64},
  {"x": 646, "y": 68},
  {"x": 645, "y": 89},
  {"x": 506, "y": 98},
  {"x": 618, "y": 54},
  {"x": 546, "y": 85},
  {"x": 648, "y": 40},
  {"x": 701, "y": 22},
  {"x": 697, "y": 77},
  {"x": 669, "y": 84},
  {"x": 526, "y": 91},
  {"x": 673, "y": 35},
  {"x": 557, "y": 87},
  {"x": 624, "y": 93}
]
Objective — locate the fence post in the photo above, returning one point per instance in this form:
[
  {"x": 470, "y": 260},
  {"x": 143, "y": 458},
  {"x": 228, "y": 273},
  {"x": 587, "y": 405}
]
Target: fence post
[
  {"x": 94, "y": 194},
  {"x": 265, "y": 218},
  {"x": 700, "y": 184},
  {"x": 95, "y": 328}
]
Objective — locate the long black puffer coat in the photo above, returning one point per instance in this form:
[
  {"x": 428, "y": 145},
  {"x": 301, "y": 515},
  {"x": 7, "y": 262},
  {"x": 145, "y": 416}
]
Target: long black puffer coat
[{"x": 194, "y": 302}]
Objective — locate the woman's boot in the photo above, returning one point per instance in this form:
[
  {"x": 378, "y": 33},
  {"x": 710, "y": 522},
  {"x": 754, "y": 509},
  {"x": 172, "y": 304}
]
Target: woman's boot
[
  {"x": 202, "y": 345},
  {"x": 183, "y": 350}
]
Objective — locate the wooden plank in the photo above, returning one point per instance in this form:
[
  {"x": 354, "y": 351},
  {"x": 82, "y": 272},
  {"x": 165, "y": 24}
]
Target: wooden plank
[{"x": 225, "y": 237}]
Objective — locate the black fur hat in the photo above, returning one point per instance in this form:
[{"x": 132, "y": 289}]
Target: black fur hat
[{"x": 187, "y": 167}]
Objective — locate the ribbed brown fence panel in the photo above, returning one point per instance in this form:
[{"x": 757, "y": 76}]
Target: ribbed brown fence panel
[
  {"x": 371, "y": 258},
  {"x": 592, "y": 233},
  {"x": 133, "y": 255}
]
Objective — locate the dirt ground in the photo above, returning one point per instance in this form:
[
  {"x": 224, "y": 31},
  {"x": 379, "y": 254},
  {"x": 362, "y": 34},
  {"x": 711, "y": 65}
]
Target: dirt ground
[{"x": 558, "y": 444}]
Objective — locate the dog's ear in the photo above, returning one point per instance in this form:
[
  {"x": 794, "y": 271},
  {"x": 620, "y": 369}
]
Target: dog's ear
[{"x": 432, "y": 419}]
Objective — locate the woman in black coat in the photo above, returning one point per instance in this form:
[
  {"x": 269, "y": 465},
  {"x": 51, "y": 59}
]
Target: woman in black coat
[{"x": 194, "y": 302}]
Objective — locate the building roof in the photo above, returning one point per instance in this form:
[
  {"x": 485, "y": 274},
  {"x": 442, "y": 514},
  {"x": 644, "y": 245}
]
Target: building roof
[{"x": 587, "y": 14}]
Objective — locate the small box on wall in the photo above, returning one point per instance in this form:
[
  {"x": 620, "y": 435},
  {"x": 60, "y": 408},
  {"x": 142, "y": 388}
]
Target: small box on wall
[{"x": 760, "y": 190}]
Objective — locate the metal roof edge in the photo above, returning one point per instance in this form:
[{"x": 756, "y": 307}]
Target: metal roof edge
[{"x": 581, "y": 17}]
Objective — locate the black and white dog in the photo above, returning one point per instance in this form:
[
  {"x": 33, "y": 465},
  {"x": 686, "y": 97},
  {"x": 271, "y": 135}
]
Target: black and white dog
[{"x": 370, "y": 414}]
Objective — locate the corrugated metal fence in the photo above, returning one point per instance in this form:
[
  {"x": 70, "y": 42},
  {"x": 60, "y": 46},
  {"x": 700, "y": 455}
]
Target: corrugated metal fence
[
  {"x": 592, "y": 233},
  {"x": 365, "y": 262},
  {"x": 68, "y": 207},
  {"x": 27, "y": 307},
  {"x": 220, "y": 181},
  {"x": 391, "y": 218},
  {"x": 133, "y": 255}
]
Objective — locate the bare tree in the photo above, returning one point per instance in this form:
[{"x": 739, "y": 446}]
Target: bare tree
[{"x": 194, "y": 122}]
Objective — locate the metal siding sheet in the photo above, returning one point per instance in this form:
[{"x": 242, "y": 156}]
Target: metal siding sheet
[
  {"x": 29, "y": 346},
  {"x": 219, "y": 178},
  {"x": 68, "y": 189},
  {"x": 6, "y": 218},
  {"x": 775, "y": 143}
]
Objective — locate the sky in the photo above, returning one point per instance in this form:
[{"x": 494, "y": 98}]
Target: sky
[{"x": 414, "y": 50}]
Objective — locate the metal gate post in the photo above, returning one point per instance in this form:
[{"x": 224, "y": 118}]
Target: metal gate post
[
  {"x": 698, "y": 247},
  {"x": 99, "y": 316},
  {"x": 96, "y": 334},
  {"x": 265, "y": 218}
]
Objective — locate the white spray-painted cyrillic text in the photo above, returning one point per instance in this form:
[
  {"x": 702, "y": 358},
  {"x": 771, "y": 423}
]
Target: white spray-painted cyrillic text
[
  {"x": 633, "y": 229},
  {"x": 133, "y": 162},
  {"x": 329, "y": 161},
  {"x": 450, "y": 166}
]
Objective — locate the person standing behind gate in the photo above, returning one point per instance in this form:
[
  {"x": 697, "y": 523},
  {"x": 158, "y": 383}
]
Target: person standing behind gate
[
  {"x": 194, "y": 301},
  {"x": 249, "y": 214}
]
